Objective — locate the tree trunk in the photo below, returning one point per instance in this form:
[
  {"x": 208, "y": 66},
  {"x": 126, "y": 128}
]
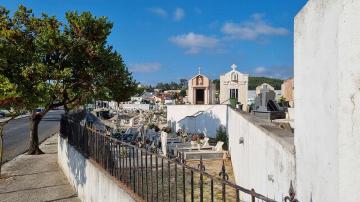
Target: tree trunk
[
  {"x": 66, "y": 109},
  {"x": 34, "y": 138}
]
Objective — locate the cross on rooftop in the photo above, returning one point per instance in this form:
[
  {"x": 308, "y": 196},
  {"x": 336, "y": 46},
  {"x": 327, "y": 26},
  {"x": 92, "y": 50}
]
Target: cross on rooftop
[
  {"x": 199, "y": 70},
  {"x": 233, "y": 66}
]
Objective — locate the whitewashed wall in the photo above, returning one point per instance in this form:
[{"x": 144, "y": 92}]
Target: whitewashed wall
[
  {"x": 136, "y": 106},
  {"x": 266, "y": 159},
  {"x": 214, "y": 116},
  {"x": 327, "y": 100},
  {"x": 90, "y": 181}
]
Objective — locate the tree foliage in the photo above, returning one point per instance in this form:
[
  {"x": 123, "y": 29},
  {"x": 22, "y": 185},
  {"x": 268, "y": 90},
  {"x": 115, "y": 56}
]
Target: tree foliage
[
  {"x": 256, "y": 81},
  {"x": 172, "y": 85},
  {"x": 216, "y": 82},
  {"x": 60, "y": 64},
  {"x": 182, "y": 93}
]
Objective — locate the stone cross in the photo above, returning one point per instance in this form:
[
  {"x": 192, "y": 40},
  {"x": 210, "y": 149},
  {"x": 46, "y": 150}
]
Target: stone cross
[
  {"x": 264, "y": 91},
  {"x": 199, "y": 70},
  {"x": 233, "y": 66},
  {"x": 264, "y": 97}
]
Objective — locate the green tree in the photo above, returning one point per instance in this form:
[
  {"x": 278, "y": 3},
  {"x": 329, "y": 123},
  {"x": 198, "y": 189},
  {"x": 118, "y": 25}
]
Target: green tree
[
  {"x": 183, "y": 83},
  {"x": 217, "y": 84},
  {"x": 54, "y": 64},
  {"x": 256, "y": 81},
  {"x": 182, "y": 93}
]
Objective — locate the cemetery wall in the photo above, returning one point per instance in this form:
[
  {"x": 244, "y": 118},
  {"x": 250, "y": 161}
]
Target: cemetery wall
[
  {"x": 265, "y": 160},
  {"x": 209, "y": 121},
  {"x": 91, "y": 182},
  {"x": 327, "y": 100}
]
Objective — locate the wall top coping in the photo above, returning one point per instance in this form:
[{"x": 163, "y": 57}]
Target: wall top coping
[{"x": 282, "y": 136}]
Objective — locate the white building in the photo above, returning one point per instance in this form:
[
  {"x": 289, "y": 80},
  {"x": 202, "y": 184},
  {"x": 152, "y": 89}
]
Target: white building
[
  {"x": 201, "y": 90},
  {"x": 234, "y": 84}
]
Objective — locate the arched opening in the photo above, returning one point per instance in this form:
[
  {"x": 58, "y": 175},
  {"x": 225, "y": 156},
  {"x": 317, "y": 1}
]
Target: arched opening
[{"x": 234, "y": 76}]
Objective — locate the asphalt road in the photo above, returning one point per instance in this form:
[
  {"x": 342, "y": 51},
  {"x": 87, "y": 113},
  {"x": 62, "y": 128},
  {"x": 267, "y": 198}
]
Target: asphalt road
[{"x": 16, "y": 133}]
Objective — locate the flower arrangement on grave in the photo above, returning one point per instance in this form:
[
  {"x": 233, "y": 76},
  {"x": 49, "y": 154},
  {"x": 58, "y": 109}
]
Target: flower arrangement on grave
[
  {"x": 194, "y": 137},
  {"x": 182, "y": 133},
  {"x": 200, "y": 139}
]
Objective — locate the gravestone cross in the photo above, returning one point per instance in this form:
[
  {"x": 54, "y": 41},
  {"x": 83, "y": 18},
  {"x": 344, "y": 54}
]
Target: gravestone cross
[{"x": 264, "y": 92}]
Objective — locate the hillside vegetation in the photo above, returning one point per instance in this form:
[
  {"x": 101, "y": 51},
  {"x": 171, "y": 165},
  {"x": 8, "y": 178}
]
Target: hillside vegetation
[{"x": 256, "y": 81}]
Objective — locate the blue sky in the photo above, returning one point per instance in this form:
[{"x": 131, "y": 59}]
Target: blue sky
[{"x": 162, "y": 40}]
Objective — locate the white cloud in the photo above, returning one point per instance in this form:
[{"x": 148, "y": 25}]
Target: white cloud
[
  {"x": 194, "y": 43},
  {"x": 253, "y": 29},
  {"x": 158, "y": 11},
  {"x": 179, "y": 14},
  {"x": 260, "y": 70},
  {"x": 280, "y": 72},
  {"x": 145, "y": 67}
]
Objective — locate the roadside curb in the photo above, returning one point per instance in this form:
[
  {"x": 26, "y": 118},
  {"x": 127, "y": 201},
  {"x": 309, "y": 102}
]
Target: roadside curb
[
  {"x": 25, "y": 152},
  {"x": 18, "y": 117}
]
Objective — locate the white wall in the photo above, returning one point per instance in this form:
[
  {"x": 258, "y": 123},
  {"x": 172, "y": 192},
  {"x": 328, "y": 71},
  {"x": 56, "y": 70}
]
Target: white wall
[
  {"x": 129, "y": 106},
  {"x": 136, "y": 106},
  {"x": 91, "y": 183},
  {"x": 266, "y": 159},
  {"x": 327, "y": 100},
  {"x": 214, "y": 116}
]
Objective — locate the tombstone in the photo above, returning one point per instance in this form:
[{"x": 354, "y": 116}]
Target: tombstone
[
  {"x": 266, "y": 107},
  {"x": 164, "y": 136},
  {"x": 263, "y": 98}
]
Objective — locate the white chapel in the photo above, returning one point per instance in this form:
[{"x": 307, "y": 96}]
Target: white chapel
[
  {"x": 201, "y": 90},
  {"x": 234, "y": 84}
]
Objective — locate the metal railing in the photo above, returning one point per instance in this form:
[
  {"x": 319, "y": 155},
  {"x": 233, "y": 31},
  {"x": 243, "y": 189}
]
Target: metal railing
[{"x": 150, "y": 175}]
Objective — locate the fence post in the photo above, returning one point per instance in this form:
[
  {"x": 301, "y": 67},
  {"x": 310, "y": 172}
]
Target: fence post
[
  {"x": 202, "y": 169},
  {"x": 224, "y": 177},
  {"x": 252, "y": 195},
  {"x": 291, "y": 197},
  {"x": 183, "y": 178},
  {"x": 192, "y": 185}
]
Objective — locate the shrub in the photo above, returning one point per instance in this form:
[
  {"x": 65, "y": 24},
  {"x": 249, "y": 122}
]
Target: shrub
[{"x": 222, "y": 136}]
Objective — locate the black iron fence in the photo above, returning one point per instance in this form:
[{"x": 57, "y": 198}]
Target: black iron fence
[{"x": 150, "y": 175}]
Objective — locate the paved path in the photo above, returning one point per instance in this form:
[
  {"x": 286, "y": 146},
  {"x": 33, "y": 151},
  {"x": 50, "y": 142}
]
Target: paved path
[
  {"x": 16, "y": 133},
  {"x": 36, "y": 178}
]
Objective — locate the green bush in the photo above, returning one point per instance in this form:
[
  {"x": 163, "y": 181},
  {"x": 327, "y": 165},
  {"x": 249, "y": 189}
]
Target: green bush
[{"x": 222, "y": 136}]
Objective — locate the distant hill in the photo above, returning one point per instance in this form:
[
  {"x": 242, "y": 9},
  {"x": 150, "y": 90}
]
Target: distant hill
[{"x": 256, "y": 81}]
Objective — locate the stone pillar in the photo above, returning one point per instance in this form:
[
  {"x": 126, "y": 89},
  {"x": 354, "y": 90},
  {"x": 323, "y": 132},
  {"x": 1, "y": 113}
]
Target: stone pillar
[{"x": 327, "y": 100}]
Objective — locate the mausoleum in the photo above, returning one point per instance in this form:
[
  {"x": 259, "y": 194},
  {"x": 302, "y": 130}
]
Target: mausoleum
[
  {"x": 234, "y": 84},
  {"x": 201, "y": 90}
]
